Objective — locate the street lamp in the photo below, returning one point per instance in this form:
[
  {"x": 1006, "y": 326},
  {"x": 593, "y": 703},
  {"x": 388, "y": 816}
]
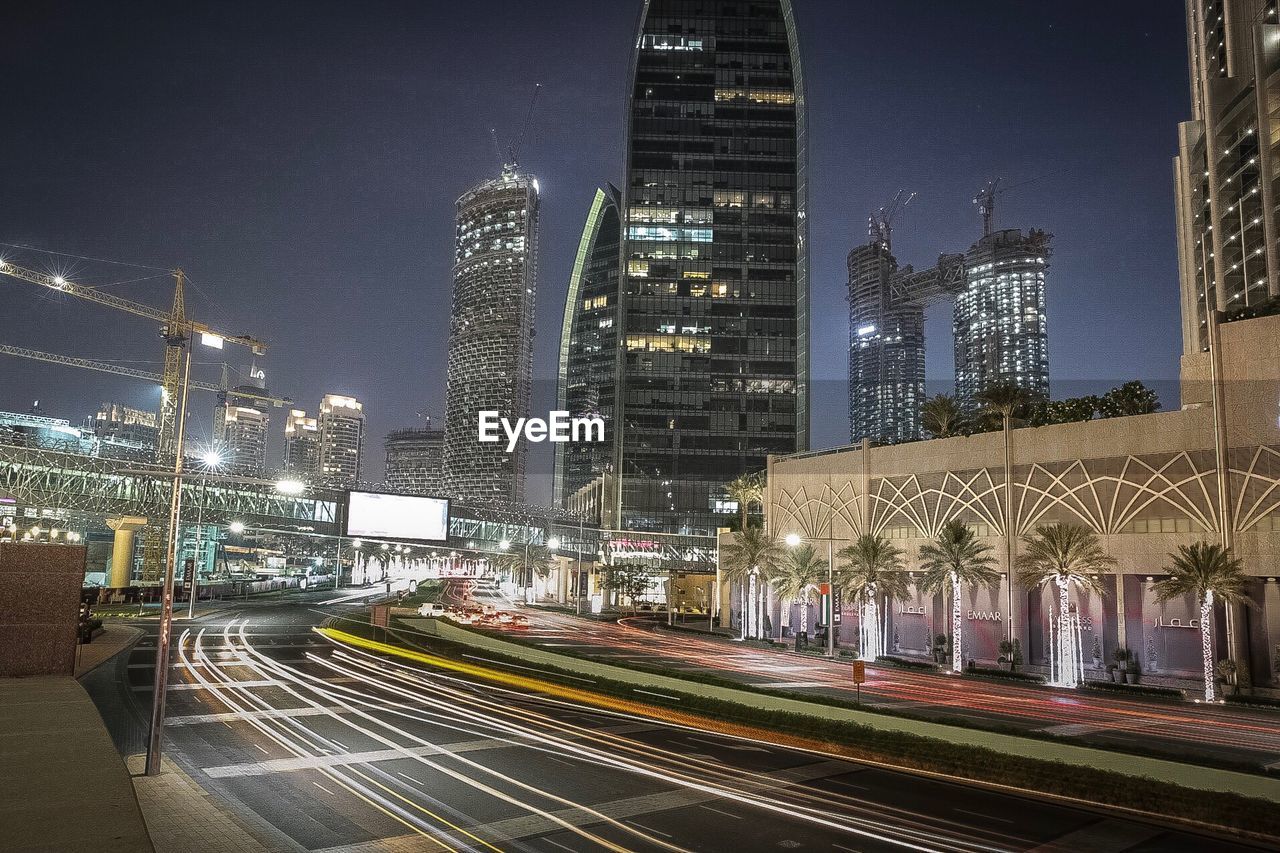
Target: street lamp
[
  {"x": 212, "y": 460},
  {"x": 289, "y": 487},
  {"x": 792, "y": 539},
  {"x": 236, "y": 527}
]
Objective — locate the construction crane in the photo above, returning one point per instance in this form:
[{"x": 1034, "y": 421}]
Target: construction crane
[
  {"x": 176, "y": 328},
  {"x": 880, "y": 223},
  {"x": 986, "y": 198},
  {"x": 512, "y": 161},
  {"x": 146, "y": 376}
]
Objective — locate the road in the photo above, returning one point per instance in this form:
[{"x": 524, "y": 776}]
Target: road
[
  {"x": 1184, "y": 730},
  {"x": 333, "y": 749}
]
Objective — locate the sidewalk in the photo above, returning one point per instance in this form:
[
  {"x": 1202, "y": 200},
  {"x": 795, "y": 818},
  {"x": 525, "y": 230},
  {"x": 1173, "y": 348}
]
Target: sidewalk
[
  {"x": 184, "y": 818},
  {"x": 62, "y": 783},
  {"x": 113, "y": 640},
  {"x": 1187, "y": 775}
]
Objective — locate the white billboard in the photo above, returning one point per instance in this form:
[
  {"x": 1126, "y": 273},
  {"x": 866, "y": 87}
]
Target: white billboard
[{"x": 371, "y": 515}]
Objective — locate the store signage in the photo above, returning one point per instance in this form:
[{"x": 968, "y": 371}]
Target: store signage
[
  {"x": 913, "y": 610},
  {"x": 1175, "y": 622},
  {"x": 985, "y": 615}
]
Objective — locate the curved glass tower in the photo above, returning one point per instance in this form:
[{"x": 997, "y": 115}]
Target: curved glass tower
[
  {"x": 588, "y": 344},
  {"x": 712, "y": 364}
]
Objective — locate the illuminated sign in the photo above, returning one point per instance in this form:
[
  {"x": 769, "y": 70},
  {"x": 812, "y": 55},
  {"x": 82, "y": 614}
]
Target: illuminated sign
[{"x": 373, "y": 515}]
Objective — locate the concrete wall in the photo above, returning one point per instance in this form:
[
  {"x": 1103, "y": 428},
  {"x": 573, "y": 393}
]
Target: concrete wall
[{"x": 39, "y": 607}]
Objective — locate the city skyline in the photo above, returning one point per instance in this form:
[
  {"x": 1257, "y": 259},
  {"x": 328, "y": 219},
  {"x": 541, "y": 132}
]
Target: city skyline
[{"x": 852, "y": 168}]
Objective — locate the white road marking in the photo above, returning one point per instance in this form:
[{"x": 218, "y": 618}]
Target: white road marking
[
  {"x": 263, "y": 751},
  {"x": 638, "y": 825},
  {"x": 718, "y": 811},
  {"x": 323, "y": 788},
  {"x": 410, "y": 778},
  {"x": 983, "y": 816}
]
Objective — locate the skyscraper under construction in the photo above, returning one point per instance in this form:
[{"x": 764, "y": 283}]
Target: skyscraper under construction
[
  {"x": 490, "y": 363},
  {"x": 712, "y": 310},
  {"x": 1225, "y": 170}
]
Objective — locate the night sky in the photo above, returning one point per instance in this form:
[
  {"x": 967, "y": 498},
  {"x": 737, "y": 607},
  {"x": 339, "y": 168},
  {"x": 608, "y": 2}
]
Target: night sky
[{"x": 301, "y": 162}]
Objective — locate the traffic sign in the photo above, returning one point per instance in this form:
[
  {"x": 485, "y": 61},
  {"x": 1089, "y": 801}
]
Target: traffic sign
[{"x": 859, "y": 672}]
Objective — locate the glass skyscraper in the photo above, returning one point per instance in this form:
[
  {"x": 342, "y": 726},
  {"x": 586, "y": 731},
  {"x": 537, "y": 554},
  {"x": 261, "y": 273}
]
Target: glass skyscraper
[
  {"x": 495, "y": 289},
  {"x": 712, "y": 359},
  {"x": 589, "y": 343}
]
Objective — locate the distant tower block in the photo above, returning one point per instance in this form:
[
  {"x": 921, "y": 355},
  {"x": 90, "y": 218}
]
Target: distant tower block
[{"x": 1001, "y": 334}]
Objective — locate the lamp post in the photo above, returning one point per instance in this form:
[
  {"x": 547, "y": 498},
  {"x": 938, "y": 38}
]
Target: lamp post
[{"x": 212, "y": 462}]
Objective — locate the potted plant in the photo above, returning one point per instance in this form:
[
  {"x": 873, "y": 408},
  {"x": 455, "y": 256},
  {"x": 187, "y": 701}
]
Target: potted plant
[
  {"x": 1111, "y": 672},
  {"x": 941, "y": 648},
  {"x": 1011, "y": 654},
  {"x": 1227, "y": 674},
  {"x": 1132, "y": 670},
  {"x": 1121, "y": 657}
]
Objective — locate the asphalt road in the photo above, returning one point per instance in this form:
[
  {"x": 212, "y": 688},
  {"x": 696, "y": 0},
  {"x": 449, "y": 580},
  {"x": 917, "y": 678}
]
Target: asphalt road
[
  {"x": 334, "y": 749},
  {"x": 1179, "y": 729}
]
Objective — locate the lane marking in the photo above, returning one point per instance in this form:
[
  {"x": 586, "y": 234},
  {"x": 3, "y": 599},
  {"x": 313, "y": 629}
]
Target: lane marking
[
  {"x": 638, "y": 825},
  {"x": 983, "y": 816},
  {"x": 718, "y": 811},
  {"x": 651, "y": 693},
  {"x": 323, "y": 788},
  {"x": 410, "y": 778},
  {"x": 263, "y": 751}
]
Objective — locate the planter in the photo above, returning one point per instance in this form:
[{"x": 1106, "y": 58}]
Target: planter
[
  {"x": 1124, "y": 676},
  {"x": 1134, "y": 676}
]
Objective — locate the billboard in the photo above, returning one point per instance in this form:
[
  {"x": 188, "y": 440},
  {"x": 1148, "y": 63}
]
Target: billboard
[{"x": 372, "y": 515}]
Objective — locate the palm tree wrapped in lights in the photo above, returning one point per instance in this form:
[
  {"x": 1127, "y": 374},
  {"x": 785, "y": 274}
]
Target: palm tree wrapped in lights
[
  {"x": 956, "y": 559},
  {"x": 751, "y": 559},
  {"x": 1208, "y": 572},
  {"x": 873, "y": 570},
  {"x": 1065, "y": 555},
  {"x": 800, "y": 572}
]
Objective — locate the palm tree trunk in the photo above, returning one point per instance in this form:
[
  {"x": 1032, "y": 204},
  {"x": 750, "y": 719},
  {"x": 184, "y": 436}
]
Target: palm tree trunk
[
  {"x": 1206, "y": 645},
  {"x": 1009, "y": 533},
  {"x": 957, "y": 627}
]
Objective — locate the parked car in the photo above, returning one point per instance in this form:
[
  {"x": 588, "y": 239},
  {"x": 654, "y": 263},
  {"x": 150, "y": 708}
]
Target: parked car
[{"x": 431, "y": 609}]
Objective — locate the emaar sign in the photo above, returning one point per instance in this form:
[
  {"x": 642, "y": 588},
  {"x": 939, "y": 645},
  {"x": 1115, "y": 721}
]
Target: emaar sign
[{"x": 558, "y": 427}]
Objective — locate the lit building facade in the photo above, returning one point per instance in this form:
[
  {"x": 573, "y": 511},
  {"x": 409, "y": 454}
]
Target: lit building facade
[
  {"x": 121, "y": 423},
  {"x": 491, "y": 325},
  {"x": 1001, "y": 332},
  {"x": 713, "y": 308},
  {"x": 415, "y": 460},
  {"x": 242, "y": 423},
  {"x": 589, "y": 344},
  {"x": 301, "y": 444},
  {"x": 1225, "y": 170},
  {"x": 341, "y": 426}
]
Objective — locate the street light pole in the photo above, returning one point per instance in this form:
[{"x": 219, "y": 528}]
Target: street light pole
[
  {"x": 195, "y": 562},
  {"x": 166, "y": 608},
  {"x": 831, "y": 591}
]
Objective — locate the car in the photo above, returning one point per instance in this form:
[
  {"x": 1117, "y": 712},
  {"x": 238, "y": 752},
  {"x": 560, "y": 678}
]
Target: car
[{"x": 431, "y": 609}]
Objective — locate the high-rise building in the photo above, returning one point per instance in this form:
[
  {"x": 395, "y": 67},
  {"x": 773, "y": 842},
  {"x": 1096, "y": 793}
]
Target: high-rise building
[
  {"x": 588, "y": 344},
  {"x": 301, "y": 444},
  {"x": 1226, "y": 165},
  {"x": 886, "y": 339},
  {"x": 415, "y": 460},
  {"x": 495, "y": 288},
  {"x": 341, "y": 425},
  {"x": 1001, "y": 334},
  {"x": 241, "y": 421},
  {"x": 121, "y": 423},
  {"x": 714, "y": 302}
]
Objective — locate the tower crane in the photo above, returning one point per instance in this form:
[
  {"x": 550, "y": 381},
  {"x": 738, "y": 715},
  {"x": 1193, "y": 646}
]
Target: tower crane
[
  {"x": 512, "y": 161},
  {"x": 176, "y": 328},
  {"x": 880, "y": 223},
  {"x": 986, "y": 198}
]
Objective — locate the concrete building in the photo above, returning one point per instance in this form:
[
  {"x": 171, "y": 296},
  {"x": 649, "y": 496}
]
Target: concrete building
[
  {"x": 415, "y": 460},
  {"x": 491, "y": 326},
  {"x": 1225, "y": 170},
  {"x": 301, "y": 444},
  {"x": 1144, "y": 484},
  {"x": 714, "y": 302},
  {"x": 1001, "y": 334},
  {"x": 241, "y": 425},
  {"x": 588, "y": 345},
  {"x": 341, "y": 427}
]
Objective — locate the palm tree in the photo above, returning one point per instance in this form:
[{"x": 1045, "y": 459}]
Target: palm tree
[
  {"x": 745, "y": 490},
  {"x": 942, "y": 417},
  {"x": 751, "y": 559},
  {"x": 874, "y": 569},
  {"x": 1065, "y": 555},
  {"x": 956, "y": 559},
  {"x": 1207, "y": 571},
  {"x": 801, "y": 571}
]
